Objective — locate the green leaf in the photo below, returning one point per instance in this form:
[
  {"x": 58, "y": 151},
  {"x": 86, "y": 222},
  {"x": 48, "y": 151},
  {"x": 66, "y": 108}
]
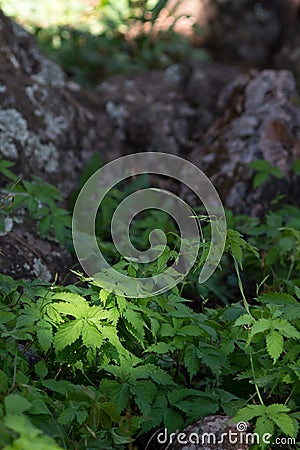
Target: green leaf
[
  {"x": 276, "y": 298},
  {"x": 103, "y": 295},
  {"x": 59, "y": 230},
  {"x": 41, "y": 369},
  {"x": 274, "y": 221},
  {"x": 173, "y": 420},
  {"x": 244, "y": 319},
  {"x": 286, "y": 244},
  {"x": 160, "y": 348},
  {"x": 274, "y": 344},
  {"x": 145, "y": 391},
  {"x": 110, "y": 333},
  {"x": 3, "y": 381},
  {"x": 110, "y": 411},
  {"x": 81, "y": 415},
  {"x": 237, "y": 253},
  {"x": 15, "y": 404},
  {"x": 235, "y": 244},
  {"x": 212, "y": 358},
  {"x": 135, "y": 319},
  {"x": 199, "y": 407},
  {"x": 264, "y": 169},
  {"x": 91, "y": 337},
  {"x": 276, "y": 408},
  {"x": 286, "y": 329},
  {"x": 179, "y": 394},
  {"x": 4, "y": 169},
  {"x": 103, "y": 418},
  {"x": 119, "y": 393},
  {"x": 154, "y": 326},
  {"x": 161, "y": 377},
  {"x": 44, "y": 225},
  {"x": 6, "y": 316},
  {"x": 191, "y": 361},
  {"x": 264, "y": 425},
  {"x": 163, "y": 260},
  {"x": 22, "y": 425},
  {"x": 259, "y": 179},
  {"x": 260, "y": 165},
  {"x": 285, "y": 424},
  {"x": 297, "y": 291},
  {"x": 167, "y": 330},
  {"x": 272, "y": 256},
  {"x": 60, "y": 386},
  {"x": 30, "y": 316},
  {"x": 276, "y": 172},
  {"x": 67, "y": 416},
  {"x": 44, "y": 335},
  {"x": 74, "y": 299},
  {"x": 67, "y": 334},
  {"x": 121, "y": 302},
  {"x": 190, "y": 330},
  {"x": 32, "y": 205},
  {"x": 261, "y": 326},
  {"x": 249, "y": 412},
  {"x": 38, "y": 401},
  {"x": 53, "y": 314}
]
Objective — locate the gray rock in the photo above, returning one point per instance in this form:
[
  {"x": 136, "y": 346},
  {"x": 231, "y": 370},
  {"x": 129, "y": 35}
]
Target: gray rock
[
  {"x": 47, "y": 127},
  {"x": 167, "y": 110},
  {"x": 247, "y": 30},
  {"x": 211, "y": 433},
  {"x": 260, "y": 120}
]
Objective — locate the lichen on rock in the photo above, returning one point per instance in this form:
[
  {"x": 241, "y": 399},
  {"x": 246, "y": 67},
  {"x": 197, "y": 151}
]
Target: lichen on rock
[{"x": 260, "y": 120}]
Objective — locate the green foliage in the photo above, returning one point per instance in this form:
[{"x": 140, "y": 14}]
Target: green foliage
[
  {"x": 264, "y": 170},
  {"x": 38, "y": 199},
  {"x": 122, "y": 37},
  {"x": 83, "y": 368},
  {"x": 98, "y": 57},
  {"x": 268, "y": 417}
]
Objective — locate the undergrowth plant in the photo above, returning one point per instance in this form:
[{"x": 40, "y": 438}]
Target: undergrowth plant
[
  {"x": 84, "y": 368},
  {"x": 124, "y": 37},
  {"x": 38, "y": 199}
]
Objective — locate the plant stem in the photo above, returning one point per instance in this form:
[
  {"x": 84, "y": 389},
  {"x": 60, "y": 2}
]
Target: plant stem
[
  {"x": 254, "y": 379},
  {"x": 240, "y": 284}
]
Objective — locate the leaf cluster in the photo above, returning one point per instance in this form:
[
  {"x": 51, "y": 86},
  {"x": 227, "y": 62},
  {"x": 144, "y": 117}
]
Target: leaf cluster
[
  {"x": 37, "y": 198},
  {"x": 82, "y": 367}
]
